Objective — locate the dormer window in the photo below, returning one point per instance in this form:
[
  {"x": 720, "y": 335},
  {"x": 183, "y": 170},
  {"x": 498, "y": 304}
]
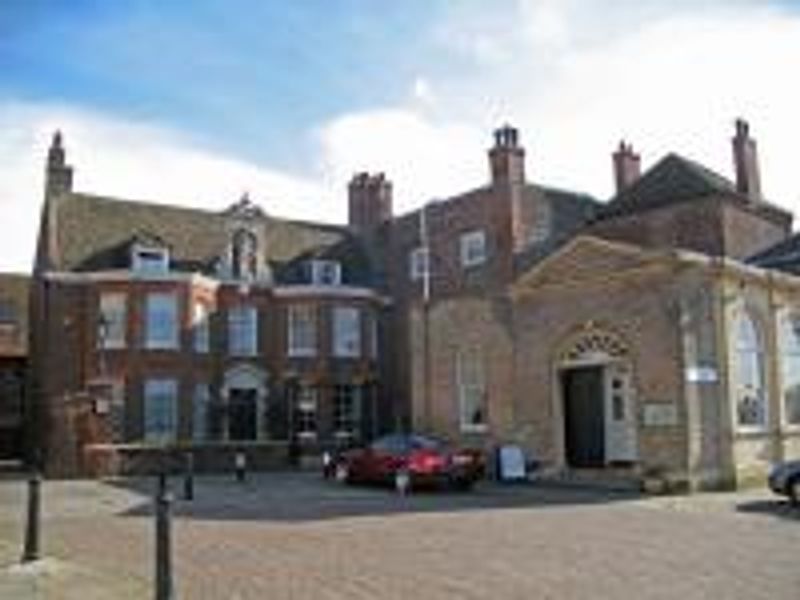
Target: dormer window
[
  {"x": 244, "y": 255},
  {"x": 326, "y": 272},
  {"x": 150, "y": 259}
]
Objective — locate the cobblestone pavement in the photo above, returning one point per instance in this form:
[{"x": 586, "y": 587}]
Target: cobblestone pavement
[{"x": 293, "y": 536}]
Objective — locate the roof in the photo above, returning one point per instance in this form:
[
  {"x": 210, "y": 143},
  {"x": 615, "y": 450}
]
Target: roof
[
  {"x": 676, "y": 179},
  {"x": 783, "y": 256},
  {"x": 196, "y": 238}
]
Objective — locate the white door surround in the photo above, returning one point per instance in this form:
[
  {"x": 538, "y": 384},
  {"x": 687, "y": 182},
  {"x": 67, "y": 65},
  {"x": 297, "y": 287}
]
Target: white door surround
[
  {"x": 247, "y": 377},
  {"x": 592, "y": 347}
]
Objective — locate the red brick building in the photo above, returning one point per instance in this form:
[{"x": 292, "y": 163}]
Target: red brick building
[{"x": 652, "y": 333}]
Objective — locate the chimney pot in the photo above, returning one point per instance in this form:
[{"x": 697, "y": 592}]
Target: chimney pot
[
  {"x": 745, "y": 161},
  {"x": 627, "y": 166}
]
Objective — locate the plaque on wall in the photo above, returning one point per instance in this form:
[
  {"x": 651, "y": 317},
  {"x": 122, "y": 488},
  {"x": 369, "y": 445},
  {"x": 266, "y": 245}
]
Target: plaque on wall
[
  {"x": 660, "y": 414},
  {"x": 701, "y": 374}
]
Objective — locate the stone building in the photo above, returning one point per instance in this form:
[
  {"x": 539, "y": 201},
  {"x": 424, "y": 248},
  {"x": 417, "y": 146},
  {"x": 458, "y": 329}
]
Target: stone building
[
  {"x": 13, "y": 362},
  {"x": 656, "y": 333}
]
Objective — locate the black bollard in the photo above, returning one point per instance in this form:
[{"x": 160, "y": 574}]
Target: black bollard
[
  {"x": 188, "y": 477},
  {"x": 241, "y": 466},
  {"x": 32, "y": 528},
  {"x": 164, "y": 590},
  {"x": 162, "y": 484}
]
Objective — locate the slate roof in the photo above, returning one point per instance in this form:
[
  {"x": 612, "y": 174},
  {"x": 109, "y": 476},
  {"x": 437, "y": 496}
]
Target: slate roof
[
  {"x": 676, "y": 179},
  {"x": 95, "y": 233},
  {"x": 783, "y": 256}
]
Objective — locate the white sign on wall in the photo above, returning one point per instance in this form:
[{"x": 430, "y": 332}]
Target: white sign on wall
[
  {"x": 660, "y": 414},
  {"x": 701, "y": 374}
]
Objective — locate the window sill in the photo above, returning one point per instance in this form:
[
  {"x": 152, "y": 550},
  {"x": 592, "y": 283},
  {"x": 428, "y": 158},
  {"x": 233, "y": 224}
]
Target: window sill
[
  {"x": 302, "y": 354},
  {"x": 752, "y": 432}
]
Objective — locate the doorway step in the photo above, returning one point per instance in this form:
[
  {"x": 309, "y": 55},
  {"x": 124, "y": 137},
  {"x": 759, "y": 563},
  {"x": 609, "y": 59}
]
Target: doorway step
[{"x": 622, "y": 479}]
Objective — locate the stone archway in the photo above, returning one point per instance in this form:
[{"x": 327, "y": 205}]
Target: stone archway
[
  {"x": 595, "y": 418},
  {"x": 245, "y": 391}
]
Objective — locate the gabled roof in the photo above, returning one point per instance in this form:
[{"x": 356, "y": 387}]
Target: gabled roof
[
  {"x": 672, "y": 179},
  {"x": 95, "y": 233}
]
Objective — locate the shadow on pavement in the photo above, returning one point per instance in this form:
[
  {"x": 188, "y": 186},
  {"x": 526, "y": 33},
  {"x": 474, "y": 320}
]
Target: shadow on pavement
[
  {"x": 298, "y": 497},
  {"x": 773, "y": 507}
]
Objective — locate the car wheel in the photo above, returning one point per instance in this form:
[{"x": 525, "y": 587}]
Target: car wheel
[
  {"x": 402, "y": 482},
  {"x": 342, "y": 473},
  {"x": 794, "y": 491}
]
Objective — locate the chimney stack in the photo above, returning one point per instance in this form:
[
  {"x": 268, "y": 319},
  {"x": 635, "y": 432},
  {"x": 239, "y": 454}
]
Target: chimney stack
[
  {"x": 369, "y": 201},
  {"x": 507, "y": 157},
  {"x": 58, "y": 178},
  {"x": 627, "y": 166},
  {"x": 745, "y": 161}
]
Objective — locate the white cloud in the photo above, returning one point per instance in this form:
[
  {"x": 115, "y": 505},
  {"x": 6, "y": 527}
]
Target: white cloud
[
  {"x": 574, "y": 76},
  {"x": 129, "y": 160}
]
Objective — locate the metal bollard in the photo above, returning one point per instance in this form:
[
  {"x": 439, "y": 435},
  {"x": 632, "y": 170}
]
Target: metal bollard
[
  {"x": 162, "y": 484},
  {"x": 188, "y": 478},
  {"x": 32, "y": 528},
  {"x": 240, "y": 463},
  {"x": 164, "y": 589}
]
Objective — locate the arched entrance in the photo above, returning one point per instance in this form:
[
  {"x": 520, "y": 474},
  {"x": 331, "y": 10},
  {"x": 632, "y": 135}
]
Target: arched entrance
[
  {"x": 595, "y": 407},
  {"x": 244, "y": 392}
]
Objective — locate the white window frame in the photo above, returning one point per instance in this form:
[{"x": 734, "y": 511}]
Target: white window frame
[
  {"x": 468, "y": 385},
  {"x": 346, "y": 331},
  {"x": 306, "y": 411},
  {"x": 741, "y": 389},
  {"x": 243, "y": 330},
  {"x": 419, "y": 263},
  {"x": 112, "y": 330},
  {"x": 201, "y": 328},
  {"x": 301, "y": 343},
  {"x": 789, "y": 353},
  {"x": 149, "y": 260},
  {"x": 161, "y": 391},
  {"x": 473, "y": 248},
  {"x": 153, "y": 321},
  {"x": 326, "y": 272},
  {"x": 350, "y": 395}
]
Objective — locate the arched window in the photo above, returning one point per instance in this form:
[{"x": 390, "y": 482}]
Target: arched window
[
  {"x": 790, "y": 367},
  {"x": 244, "y": 255},
  {"x": 751, "y": 407}
]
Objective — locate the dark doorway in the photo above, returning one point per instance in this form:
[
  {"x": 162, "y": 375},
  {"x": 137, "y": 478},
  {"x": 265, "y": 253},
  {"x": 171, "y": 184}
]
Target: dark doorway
[
  {"x": 242, "y": 414},
  {"x": 584, "y": 423}
]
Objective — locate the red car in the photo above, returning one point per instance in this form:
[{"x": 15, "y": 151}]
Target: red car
[{"x": 406, "y": 461}]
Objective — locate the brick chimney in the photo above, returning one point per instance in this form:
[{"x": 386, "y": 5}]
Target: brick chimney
[
  {"x": 507, "y": 157},
  {"x": 369, "y": 201},
  {"x": 627, "y": 166},
  {"x": 58, "y": 177},
  {"x": 745, "y": 161}
]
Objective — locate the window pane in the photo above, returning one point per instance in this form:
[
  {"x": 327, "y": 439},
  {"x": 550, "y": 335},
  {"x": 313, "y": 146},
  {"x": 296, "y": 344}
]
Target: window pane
[
  {"x": 346, "y": 331},
  {"x": 751, "y": 409},
  {"x": 162, "y": 321},
  {"x": 473, "y": 248},
  {"x": 113, "y": 320},
  {"x": 790, "y": 368},
  {"x": 471, "y": 390},
  {"x": 302, "y": 330},
  {"x": 243, "y": 331},
  {"x": 200, "y": 328},
  {"x": 160, "y": 410},
  {"x": 200, "y": 425},
  {"x": 306, "y": 411},
  {"x": 346, "y": 409}
]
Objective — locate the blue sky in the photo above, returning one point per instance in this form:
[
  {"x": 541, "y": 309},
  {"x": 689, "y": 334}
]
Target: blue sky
[
  {"x": 195, "y": 102},
  {"x": 242, "y": 75}
]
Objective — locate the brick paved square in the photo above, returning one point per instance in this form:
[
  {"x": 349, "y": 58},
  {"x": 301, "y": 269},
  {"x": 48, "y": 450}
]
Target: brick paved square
[{"x": 294, "y": 536}]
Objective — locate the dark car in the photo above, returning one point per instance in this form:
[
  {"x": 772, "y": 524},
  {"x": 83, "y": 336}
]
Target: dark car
[
  {"x": 406, "y": 461},
  {"x": 784, "y": 479}
]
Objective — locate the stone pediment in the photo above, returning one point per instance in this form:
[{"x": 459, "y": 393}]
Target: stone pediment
[{"x": 584, "y": 258}]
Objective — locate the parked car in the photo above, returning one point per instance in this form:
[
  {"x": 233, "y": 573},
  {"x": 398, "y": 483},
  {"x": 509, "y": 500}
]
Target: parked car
[
  {"x": 784, "y": 479},
  {"x": 406, "y": 461}
]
